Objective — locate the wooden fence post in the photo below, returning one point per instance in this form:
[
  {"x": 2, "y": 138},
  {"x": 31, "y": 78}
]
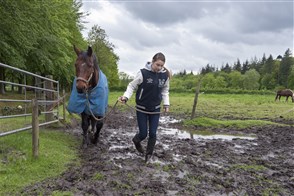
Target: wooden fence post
[
  {"x": 196, "y": 97},
  {"x": 35, "y": 128}
]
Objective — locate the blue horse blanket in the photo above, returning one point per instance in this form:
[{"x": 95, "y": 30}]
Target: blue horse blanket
[{"x": 98, "y": 98}]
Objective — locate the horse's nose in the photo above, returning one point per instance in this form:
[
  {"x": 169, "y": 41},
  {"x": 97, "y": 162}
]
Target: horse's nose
[{"x": 81, "y": 88}]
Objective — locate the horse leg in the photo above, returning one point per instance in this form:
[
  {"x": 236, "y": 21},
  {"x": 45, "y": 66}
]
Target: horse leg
[
  {"x": 85, "y": 126},
  {"x": 276, "y": 97},
  {"x": 99, "y": 125}
]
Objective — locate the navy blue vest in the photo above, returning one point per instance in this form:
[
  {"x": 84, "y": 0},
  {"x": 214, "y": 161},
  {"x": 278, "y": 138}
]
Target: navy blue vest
[{"x": 148, "y": 95}]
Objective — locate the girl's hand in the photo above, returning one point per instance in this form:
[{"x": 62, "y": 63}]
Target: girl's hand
[
  {"x": 122, "y": 99},
  {"x": 166, "y": 109}
]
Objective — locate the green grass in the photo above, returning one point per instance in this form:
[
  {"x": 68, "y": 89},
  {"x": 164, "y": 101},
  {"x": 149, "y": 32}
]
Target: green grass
[
  {"x": 19, "y": 168},
  {"x": 239, "y": 124},
  {"x": 232, "y": 106},
  {"x": 214, "y": 106}
]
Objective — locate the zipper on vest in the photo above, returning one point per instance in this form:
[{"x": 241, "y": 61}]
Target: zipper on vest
[{"x": 141, "y": 93}]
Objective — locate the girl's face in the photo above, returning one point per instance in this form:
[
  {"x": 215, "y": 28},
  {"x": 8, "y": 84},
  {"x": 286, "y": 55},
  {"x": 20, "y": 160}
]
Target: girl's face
[{"x": 157, "y": 65}]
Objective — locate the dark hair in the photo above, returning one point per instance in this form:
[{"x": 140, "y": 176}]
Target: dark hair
[{"x": 160, "y": 56}]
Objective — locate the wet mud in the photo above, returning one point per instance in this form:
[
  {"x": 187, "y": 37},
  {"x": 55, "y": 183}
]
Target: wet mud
[{"x": 254, "y": 161}]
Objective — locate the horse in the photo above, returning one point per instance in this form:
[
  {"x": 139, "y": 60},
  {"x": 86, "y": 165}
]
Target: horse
[
  {"x": 89, "y": 96},
  {"x": 286, "y": 93}
]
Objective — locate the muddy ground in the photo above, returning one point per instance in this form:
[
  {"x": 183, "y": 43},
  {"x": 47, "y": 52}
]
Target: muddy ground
[{"x": 259, "y": 163}]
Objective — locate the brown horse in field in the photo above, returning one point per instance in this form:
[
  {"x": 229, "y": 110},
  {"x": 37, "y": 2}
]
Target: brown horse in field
[{"x": 285, "y": 93}]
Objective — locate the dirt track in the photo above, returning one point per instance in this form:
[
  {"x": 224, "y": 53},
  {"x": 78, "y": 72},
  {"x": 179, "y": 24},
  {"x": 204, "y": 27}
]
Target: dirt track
[{"x": 262, "y": 163}]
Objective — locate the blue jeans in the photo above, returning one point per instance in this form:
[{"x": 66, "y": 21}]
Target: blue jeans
[{"x": 145, "y": 121}]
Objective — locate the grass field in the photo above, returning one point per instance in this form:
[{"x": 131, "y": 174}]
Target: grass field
[
  {"x": 18, "y": 168},
  {"x": 57, "y": 149},
  {"x": 227, "y": 106},
  {"x": 213, "y": 106}
]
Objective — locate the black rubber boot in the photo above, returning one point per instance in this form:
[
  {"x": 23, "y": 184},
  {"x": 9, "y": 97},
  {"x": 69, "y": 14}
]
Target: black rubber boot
[
  {"x": 137, "y": 143},
  {"x": 150, "y": 148}
]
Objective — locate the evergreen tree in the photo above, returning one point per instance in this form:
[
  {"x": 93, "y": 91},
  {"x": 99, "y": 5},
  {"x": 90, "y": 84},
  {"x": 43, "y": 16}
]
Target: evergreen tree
[
  {"x": 285, "y": 66},
  {"x": 237, "y": 66},
  {"x": 291, "y": 78},
  {"x": 245, "y": 67},
  {"x": 227, "y": 68}
]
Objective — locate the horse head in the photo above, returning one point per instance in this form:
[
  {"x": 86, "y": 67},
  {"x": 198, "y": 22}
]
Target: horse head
[{"x": 86, "y": 69}]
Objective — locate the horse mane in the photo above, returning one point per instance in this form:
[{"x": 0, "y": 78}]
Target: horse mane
[{"x": 96, "y": 62}]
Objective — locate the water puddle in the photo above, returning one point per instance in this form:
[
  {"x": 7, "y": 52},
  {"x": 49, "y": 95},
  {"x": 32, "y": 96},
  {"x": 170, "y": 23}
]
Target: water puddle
[
  {"x": 167, "y": 120},
  {"x": 189, "y": 135},
  {"x": 182, "y": 134},
  {"x": 182, "y": 174}
]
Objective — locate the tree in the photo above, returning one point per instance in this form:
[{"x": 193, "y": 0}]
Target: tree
[
  {"x": 235, "y": 80},
  {"x": 285, "y": 66},
  {"x": 107, "y": 59},
  {"x": 237, "y": 66},
  {"x": 227, "y": 68},
  {"x": 255, "y": 64},
  {"x": 207, "y": 69},
  {"x": 220, "y": 82},
  {"x": 124, "y": 79},
  {"x": 208, "y": 81},
  {"x": 291, "y": 78},
  {"x": 268, "y": 81},
  {"x": 38, "y": 36},
  {"x": 268, "y": 65},
  {"x": 245, "y": 67},
  {"x": 251, "y": 80}
]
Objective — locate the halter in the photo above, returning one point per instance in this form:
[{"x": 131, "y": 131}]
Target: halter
[{"x": 84, "y": 80}]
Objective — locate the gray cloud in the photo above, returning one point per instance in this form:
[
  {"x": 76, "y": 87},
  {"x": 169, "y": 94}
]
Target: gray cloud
[
  {"x": 193, "y": 34},
  {"x": 171, "y": 12}
]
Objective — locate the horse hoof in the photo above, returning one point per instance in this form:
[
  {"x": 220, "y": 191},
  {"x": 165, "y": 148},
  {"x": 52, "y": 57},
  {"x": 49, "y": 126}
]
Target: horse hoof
[
  {"x": 95, "y": 141},
  {"x": 85, "y": 145}
]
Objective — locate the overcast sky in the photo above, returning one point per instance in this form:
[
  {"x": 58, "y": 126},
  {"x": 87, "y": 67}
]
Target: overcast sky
[{"x": 192, "y": 33}]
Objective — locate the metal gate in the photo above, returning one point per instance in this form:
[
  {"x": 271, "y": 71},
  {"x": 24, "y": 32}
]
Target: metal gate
[{"x": 42, "y": 90}]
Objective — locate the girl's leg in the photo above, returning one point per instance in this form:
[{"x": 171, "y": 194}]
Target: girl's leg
[
  {"x": 142, "y": 123},
  {"x": 153, "y": 124}
]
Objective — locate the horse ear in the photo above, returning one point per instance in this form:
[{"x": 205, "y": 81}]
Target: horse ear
[
  {"x": 78, "y": 51},
  {"x": 90, "y": 51}
]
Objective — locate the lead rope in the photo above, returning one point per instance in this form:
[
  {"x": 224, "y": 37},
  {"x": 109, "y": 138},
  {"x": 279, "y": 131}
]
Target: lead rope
[
  {"x": 114, "y": 106},
  {"x": 99, "y": 119}
]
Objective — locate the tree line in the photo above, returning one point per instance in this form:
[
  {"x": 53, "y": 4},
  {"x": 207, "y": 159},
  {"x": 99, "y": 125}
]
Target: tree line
[
  {"x": 266, "y": 73},
  {"x": 38, "y": 36}
]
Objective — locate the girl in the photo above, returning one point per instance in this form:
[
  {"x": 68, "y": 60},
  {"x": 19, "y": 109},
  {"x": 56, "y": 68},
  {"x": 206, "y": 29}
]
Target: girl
[{"x": 152, "y": 87}]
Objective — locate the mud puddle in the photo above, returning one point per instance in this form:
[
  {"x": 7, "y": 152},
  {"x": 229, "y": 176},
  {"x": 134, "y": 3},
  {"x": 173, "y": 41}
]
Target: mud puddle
[{"x": 259, "y": 162}]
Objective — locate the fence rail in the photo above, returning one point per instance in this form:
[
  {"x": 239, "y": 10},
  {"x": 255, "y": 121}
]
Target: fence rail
[{"x": 44, "y": 98}]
